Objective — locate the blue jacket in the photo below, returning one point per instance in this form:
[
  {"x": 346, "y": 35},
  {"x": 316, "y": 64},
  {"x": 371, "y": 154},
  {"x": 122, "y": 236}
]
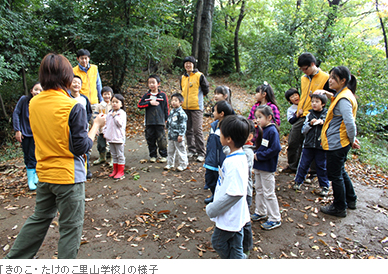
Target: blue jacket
[
  {"x": 21, "y": 116},
  {"x": 268, "y": 153},
  {"x": 214, "y": 155}
]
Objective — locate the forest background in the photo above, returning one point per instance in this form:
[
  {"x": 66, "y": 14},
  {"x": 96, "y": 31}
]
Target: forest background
[{"x": 250, "y": 41}]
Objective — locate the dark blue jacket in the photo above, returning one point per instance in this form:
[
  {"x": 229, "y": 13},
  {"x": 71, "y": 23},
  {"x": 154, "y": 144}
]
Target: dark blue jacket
[
  {"x": 154, "y": 115},
  {"x": 214, "y": 155},
  {"x": 268, "y": 153},
  {"x": 21, "y": 116},
  {"x": 312, "y": 134}
]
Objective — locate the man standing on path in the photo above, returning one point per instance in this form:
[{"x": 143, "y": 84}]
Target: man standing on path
[
  {"x": 91, "y": 81},
  {"x": 313, "y": 79}
]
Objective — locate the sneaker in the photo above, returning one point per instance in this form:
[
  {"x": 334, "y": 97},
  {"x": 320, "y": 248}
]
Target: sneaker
[
  {"x": 89, "y": 175},
  {"x": 257, "y": 217},
  {"x": 352, "y": 204},
  {"x": 324, "y": 191},
  {"x": 268, "y": 225},
  {"x": 168, "y": 167},
  {"x": 190, "y": 154},
  {"x": 288, "y": 170},
  {"x": 296, "y": 186},
  {"x": 307, "y": 181},
  {"x": 200, "y": 159},
  {"x": 331, "y": 210},
  {"x": 152, "y": 160},
  {"x": 209, "y": 200},
  {"x": 179, "y": 168},
  {"x": 162, "y": 160}
]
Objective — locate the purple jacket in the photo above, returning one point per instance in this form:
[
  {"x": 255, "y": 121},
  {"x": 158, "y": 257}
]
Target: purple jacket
[
  {"x": 114, "y": 130},
  {"x": 276, "y": 113}
]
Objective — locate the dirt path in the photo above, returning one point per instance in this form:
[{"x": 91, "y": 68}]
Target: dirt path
[{"x": 156, "y": 214}]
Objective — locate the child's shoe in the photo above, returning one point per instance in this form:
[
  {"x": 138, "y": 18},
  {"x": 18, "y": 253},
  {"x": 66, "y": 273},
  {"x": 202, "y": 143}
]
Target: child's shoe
[
  {"x": 114, "y": 170},
  {"x": 179, "y": 168},
  {"x": 162, "y": 160},
  {"x": 120, "y": 172},
  {"x": 209, "y": 200},
  {"x": 324, "y": 191},
  {"x": 101, "y": 159},
  {"x": 200, "y": 159},
  {"x": 152, "y": 159},
  {"x": 268, "y": 225},
  {"x": 168, "y": 167},
  {"x": 257, "y": 217},
  {"x": 296, "y": 186}
]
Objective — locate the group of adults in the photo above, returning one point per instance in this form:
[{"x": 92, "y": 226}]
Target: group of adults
[{"x": 62, "y": 141}]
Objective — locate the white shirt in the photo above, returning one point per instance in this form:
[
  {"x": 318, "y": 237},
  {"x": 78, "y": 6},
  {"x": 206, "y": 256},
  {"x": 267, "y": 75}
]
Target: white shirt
[
  {"x": 233, "y": 181},
  {"x": 290, "y": 111}
]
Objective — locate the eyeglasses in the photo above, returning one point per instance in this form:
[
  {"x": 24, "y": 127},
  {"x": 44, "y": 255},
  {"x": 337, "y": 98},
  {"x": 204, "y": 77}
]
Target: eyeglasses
[{"x": 304, "y": 68}]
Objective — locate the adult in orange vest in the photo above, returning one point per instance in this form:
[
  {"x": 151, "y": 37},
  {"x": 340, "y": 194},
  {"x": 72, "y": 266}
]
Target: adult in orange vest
[
  {"x": 313, "y": 79},
  {"x": 338, "y": 136},
  {"x": 195, "y": 87},
  {"x": 59, "y": 127},
  {"x": 91, "y": 81}
]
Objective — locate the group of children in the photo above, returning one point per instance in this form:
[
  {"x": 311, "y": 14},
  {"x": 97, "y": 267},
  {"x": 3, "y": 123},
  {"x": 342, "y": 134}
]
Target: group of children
[{"x": 236, "y": 148}]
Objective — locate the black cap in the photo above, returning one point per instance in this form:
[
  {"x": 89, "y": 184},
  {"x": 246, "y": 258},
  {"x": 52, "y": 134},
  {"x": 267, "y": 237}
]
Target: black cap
[{"x": 189, "y": 59}]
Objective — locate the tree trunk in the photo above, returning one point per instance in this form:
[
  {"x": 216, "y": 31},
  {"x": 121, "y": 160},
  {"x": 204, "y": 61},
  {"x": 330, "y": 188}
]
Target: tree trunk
[
  {"x": 3, "y": 108},
  {"x": 383, "y": 29},
  {"x": 236, "y": 54},
  {"x": 205, "y": 36},
  {"x": 24, "y": 79},
  {"x": 197, "y": 29},
  {"x": 326, "y": 32}
]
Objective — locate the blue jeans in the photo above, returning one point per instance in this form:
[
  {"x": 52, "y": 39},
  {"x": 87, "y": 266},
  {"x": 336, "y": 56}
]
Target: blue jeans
[
  {"x": 308, "y": 155},
  {"x": 228, "y": 244},
  {"x": 343, "y": 190}
]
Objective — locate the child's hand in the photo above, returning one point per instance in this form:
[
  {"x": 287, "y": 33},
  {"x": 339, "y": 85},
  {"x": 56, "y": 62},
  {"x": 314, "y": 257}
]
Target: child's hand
[
  {"x": 154, "y": 103},
  {"x": 356, "y": 144},
  {"x": 312, "y": 122},
  {"x": 299, "y": 113},
  {"x": 180, "y": 139}
]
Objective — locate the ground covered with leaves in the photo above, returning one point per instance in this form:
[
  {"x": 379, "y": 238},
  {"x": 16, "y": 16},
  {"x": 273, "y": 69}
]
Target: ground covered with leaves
[{"x": 156, "y": 214}]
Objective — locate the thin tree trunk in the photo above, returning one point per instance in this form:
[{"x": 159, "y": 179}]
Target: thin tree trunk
[
  {"x": 197, "y": 29},
  {"x": 3, "y": 108},
  {"x": 236, "y": 53},
  {"x": 383, "y": 29},
  {"x": 205, "y": 36},
  {"x": 24, "y": 79}
]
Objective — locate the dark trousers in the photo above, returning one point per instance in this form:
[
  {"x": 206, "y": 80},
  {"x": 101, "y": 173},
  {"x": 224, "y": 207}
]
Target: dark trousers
[
  {"x": 343, "y": 190},
  {"x": 194, "y": 132},
  {"x": 101, "y": 143},
  {"x": 295, "y": 142},
  {"x": 211, "y": 178},
  {"x": 156, "y": 139},
  {"x": 308, "y": 155},
  {"x": 247, "y": 229},
  {"x": 28, "y": 146}
]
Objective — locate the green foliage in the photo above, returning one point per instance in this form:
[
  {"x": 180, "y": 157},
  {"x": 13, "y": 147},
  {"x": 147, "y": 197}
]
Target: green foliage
[
  {"x": 373, "y": 152},
  {"x": 9, "y": 151}
]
